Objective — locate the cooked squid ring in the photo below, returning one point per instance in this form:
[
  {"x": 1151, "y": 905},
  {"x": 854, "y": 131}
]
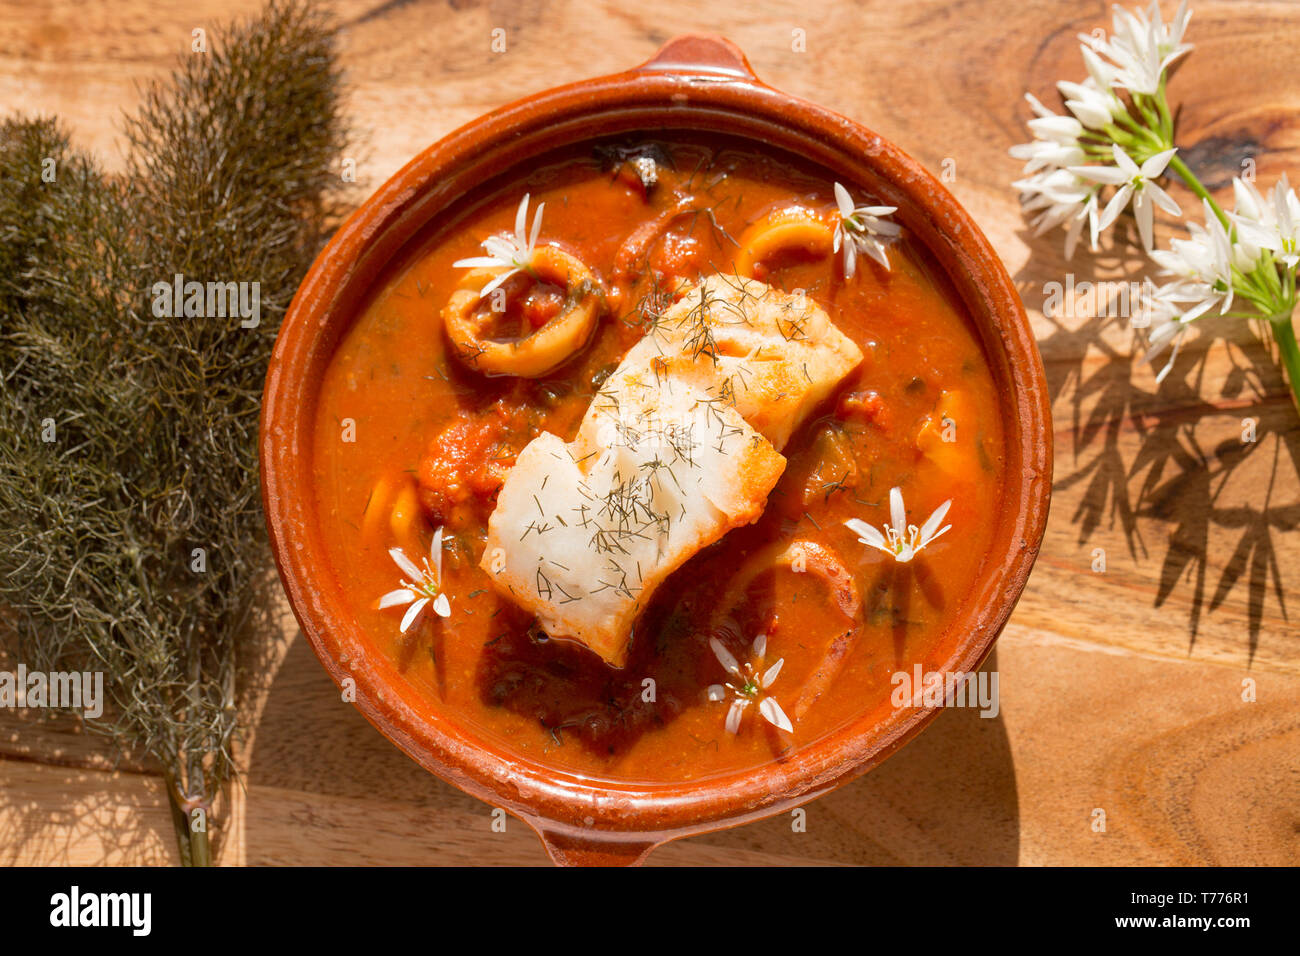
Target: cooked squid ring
[
  {"x": 630, "y": 255},
  {"x": 630, "y": 260},
  {"x": 790, "y": 227},
  {"x": 546, "y": 348},
  {"x": 816, "y": 559}
]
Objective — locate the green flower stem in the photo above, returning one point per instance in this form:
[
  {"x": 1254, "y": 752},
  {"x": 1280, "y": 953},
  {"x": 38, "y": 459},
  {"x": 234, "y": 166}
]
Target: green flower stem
[
  {"x": 1194, "y": 184},
  {"x": 1255, "y": 286},
  {"x": 1267, "y": 277},
  {"x": 1162, "y": 110},
  {"x": 1137, "y": 133},
  {"x": 1284, "y": 334},
  {"x": 1152, "y": 120}
]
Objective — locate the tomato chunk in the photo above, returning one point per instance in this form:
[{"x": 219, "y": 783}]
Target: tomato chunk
[{"x": 464, "y": 467}]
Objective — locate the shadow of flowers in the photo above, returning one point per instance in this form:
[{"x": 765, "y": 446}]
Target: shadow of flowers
[{"x": 1214, "y": 450}]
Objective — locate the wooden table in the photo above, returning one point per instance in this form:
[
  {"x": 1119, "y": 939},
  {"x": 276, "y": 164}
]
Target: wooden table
[{"x": 1122, "y": 691}]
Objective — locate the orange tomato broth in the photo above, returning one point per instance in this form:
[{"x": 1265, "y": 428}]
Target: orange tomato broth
[{"x": 554, "y": 702}]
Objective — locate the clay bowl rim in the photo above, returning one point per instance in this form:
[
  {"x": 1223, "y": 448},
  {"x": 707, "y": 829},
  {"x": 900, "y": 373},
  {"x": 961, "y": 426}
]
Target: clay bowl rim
[{"x": 693, "y": 83}]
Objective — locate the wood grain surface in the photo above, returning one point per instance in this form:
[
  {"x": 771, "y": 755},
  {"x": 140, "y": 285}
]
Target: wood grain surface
[{"x": 1121, "y": 691}]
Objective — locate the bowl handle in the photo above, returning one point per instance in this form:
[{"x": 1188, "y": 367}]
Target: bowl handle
[
  {"x": 700, "y": 53},
  {"x": 571, "y": 849}
]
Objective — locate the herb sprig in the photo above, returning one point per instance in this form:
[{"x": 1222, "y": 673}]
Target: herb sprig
[{"x": 133, "y": 540}]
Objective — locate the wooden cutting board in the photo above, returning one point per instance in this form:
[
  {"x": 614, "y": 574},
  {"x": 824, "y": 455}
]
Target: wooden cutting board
[{"x": 1121, "y": 690}]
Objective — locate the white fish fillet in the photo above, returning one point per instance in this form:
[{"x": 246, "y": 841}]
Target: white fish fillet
[
  {"x": 680, "y": 445},
  {"x": 778, "y": 355}
]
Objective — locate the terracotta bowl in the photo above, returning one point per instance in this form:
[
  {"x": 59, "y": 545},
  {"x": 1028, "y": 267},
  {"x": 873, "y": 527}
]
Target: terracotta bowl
[{"x": 693, "y": 83}]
